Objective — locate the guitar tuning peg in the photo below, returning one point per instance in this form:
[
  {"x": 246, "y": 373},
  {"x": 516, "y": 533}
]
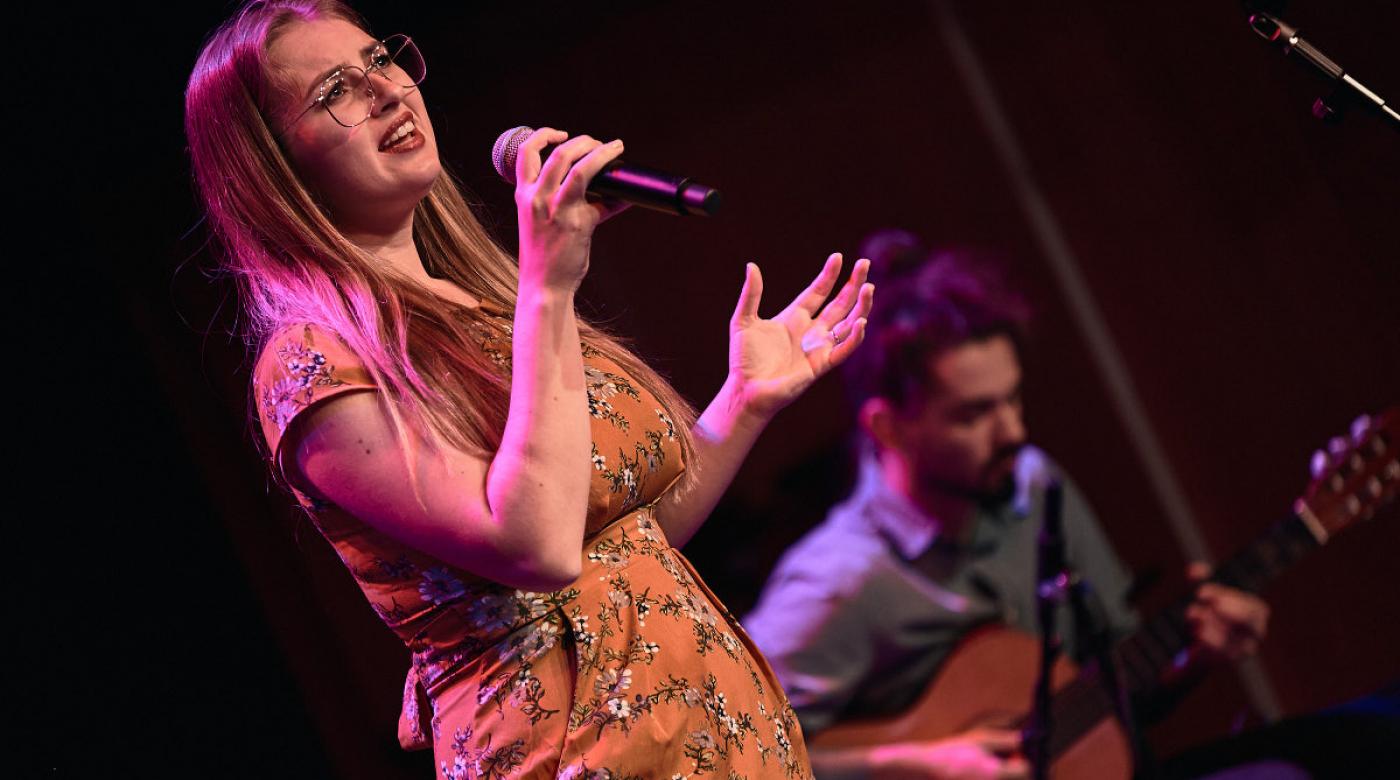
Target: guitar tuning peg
[
  {"x": 1318, "y": 464},
  {"x": 1359, "y": 427},
  {"x": 1337, "y": 445},
  {"x": 1373, "y": 486}
]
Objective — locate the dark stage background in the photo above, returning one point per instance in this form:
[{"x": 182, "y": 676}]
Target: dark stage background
[{"x": 1244, "y": 256}]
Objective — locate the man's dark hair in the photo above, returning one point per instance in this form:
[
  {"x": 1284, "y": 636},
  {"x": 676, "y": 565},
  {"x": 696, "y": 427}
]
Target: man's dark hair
[{"x": 928, "y": 302}]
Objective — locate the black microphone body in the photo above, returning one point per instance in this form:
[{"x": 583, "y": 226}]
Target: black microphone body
[
  {"x": 654, "y": 189},
  {"x": 640, "y": 186}
]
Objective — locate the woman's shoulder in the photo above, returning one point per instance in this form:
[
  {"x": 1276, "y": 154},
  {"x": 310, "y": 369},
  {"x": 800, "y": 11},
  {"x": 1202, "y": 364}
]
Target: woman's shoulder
[
  {"x": 299, "y": 365},
  {"x": 308, "y": 353}
]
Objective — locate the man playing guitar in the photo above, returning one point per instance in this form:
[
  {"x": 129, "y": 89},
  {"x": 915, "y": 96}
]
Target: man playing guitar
[{"x": 938, "y": 538}]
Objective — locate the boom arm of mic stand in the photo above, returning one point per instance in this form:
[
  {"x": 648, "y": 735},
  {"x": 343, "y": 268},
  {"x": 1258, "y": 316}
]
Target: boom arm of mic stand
[{"x": 1273, "y": 29}]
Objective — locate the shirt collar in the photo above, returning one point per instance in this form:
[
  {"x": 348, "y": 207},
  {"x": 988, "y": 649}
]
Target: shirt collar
[{"x": 909, "y": 529}]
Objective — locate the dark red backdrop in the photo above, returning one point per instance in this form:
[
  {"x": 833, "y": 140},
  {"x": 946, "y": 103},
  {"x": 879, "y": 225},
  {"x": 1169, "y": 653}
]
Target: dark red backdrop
[{"x": 1243, "y": 254}]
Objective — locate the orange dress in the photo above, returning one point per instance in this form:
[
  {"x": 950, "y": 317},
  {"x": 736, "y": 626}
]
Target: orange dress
[{"x": 633, "y": 671}]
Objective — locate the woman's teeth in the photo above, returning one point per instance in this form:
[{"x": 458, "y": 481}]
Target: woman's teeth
[{"x": 404, "y": 130}]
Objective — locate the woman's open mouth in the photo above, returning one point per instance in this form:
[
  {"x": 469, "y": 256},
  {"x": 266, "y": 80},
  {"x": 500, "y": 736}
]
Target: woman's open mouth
[{"x": 403, "y": 136}]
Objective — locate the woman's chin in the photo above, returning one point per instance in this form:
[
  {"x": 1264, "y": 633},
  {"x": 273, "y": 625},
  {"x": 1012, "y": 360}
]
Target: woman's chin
[{"x": 423, "y": 179}]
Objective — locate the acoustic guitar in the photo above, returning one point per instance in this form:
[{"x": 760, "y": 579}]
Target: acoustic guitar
[{"x": 988, "y": 680}]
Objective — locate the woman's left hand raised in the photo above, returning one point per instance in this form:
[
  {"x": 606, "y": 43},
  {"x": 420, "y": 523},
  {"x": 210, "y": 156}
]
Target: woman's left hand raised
[{"x": 771, "y": 362}]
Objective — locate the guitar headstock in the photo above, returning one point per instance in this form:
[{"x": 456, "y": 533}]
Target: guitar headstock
[{"x": 1358, "y": 476}]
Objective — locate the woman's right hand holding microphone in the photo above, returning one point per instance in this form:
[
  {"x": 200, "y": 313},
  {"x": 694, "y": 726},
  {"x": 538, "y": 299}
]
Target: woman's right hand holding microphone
[
  {"x": 556, "y": 217},
  {"x": 547, "y": 428}
]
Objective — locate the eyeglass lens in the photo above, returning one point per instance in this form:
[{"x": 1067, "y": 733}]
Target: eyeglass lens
[{"x": 349, "y": 94}]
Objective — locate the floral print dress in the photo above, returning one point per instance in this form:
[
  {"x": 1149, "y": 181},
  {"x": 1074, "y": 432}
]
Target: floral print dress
[{"x": 633, "y": 671}]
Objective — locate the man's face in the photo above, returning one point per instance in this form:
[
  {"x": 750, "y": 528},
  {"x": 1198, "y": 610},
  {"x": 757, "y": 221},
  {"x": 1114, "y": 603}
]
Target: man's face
[{"x": 964, "y": 437}]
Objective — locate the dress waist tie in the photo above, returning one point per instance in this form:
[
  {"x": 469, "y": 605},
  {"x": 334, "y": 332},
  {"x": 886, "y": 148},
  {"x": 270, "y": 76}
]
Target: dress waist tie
[{"x": 414, "y": 723}]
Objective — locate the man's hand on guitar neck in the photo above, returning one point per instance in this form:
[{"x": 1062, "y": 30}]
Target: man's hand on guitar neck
[
  {"x": 1228, "y": 624},
  {"x": 980, "y": 754}
]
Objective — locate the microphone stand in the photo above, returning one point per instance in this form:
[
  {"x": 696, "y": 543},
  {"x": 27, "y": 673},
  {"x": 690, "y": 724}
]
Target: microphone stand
[
  {"x": 1056, "y": 582},
  {"x": 1092, "y": 636},
  {"x": 1051, "y": 579}
]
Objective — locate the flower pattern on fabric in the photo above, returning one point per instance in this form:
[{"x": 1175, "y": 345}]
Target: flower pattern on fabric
[
  {"x": 513, "y": 684},
  {"x": 483, "y": 763},
  {"x": 306, "y": 369},
  {"x": 440, "y": 586},
  {"x": 602, "y": 386},
  {"x": 670, "y": 424},
  {"x": 494, "y": 341},
  {"x": 381, "y": 568},
  {"x": 630, "y": 475}
]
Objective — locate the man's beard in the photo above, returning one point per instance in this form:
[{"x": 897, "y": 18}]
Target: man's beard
[
  {"x": 1000, "y": 493},
  {"x": 984, "y": 492}
]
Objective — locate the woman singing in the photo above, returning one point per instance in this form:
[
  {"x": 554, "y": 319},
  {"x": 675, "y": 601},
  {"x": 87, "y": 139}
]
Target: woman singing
[{"x": 506, "y": 482}]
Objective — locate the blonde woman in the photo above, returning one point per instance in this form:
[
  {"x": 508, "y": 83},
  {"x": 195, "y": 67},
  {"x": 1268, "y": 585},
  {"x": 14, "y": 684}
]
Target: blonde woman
[{"x": 506, "y": 482}]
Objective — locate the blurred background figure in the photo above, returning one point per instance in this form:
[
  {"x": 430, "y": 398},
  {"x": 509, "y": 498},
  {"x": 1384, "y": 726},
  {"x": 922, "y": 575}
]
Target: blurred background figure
[{"x": 939, "y": 537}]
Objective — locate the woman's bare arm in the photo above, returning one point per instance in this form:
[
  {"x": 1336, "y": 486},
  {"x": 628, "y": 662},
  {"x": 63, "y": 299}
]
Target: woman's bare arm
[{"x": 518, "y": 517}]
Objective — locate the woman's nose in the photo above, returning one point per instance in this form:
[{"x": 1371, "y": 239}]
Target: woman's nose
[{"x": 387, "y": 94}]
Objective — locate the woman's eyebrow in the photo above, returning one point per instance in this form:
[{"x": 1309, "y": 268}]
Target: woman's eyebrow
[{"x": 364, "y": 53}]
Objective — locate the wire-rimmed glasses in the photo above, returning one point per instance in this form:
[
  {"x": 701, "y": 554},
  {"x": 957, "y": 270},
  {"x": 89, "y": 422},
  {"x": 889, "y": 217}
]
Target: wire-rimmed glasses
[{"x": 348, "y": 93}]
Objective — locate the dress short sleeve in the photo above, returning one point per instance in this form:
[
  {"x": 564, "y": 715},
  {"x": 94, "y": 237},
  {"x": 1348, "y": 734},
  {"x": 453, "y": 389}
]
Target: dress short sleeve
[{"x": 299, "y": 367}]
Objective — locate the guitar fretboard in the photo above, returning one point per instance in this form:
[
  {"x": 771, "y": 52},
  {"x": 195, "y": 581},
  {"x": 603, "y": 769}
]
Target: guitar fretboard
[{"x": 1143, "y": 656}]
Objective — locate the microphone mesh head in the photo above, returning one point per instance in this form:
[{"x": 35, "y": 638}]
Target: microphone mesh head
[{"x": 506, "y": 149}]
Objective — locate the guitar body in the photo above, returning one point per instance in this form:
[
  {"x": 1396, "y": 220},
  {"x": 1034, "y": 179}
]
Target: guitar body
[{"x": 987, "y": 681}]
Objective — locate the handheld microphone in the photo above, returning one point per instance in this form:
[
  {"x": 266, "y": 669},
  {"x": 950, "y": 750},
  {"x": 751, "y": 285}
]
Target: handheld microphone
[{"x": 622, "y": 181}]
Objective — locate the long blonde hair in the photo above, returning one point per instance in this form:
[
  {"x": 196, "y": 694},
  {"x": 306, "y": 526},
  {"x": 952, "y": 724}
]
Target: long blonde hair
[{"x": 293, "y": 265}]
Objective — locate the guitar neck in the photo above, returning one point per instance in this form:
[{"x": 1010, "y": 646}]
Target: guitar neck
[{"x": 1144, "y": 656}]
